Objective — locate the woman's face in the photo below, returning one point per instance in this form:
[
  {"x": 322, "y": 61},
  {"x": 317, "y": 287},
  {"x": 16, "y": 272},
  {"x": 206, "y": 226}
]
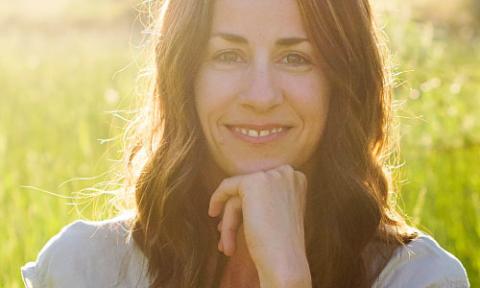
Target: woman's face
[{"x": 261, "y": 96}]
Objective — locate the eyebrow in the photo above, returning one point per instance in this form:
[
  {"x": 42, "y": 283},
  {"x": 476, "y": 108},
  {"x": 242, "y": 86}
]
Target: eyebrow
[{"x": 241, "y": 40}]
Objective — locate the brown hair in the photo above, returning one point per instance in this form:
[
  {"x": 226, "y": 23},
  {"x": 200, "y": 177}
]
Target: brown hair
[{"x": 350, "y": 222}]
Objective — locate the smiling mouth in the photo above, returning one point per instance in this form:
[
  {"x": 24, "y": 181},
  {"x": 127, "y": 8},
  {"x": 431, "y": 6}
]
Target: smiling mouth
[{"x": 258, "y": 134}]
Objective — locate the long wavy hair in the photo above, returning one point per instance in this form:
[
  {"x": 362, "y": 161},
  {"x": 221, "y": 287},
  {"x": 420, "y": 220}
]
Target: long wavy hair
[{"x": 351, "y": 225}]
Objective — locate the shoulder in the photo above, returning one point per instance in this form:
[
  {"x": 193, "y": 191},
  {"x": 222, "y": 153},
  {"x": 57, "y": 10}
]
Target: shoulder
[
  {"x": 423, "y": 263},
  {"x": 87, "y": 253}
]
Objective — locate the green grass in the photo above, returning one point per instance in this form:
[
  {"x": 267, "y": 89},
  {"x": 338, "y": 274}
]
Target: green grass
[
  {"x": 55, "y": 98},
  {"x": 56, "y": 88},
  {"x": 438, "y": 96}
]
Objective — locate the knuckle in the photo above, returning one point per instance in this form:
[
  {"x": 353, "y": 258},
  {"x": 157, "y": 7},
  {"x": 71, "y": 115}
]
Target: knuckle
[
  {"x": 301, "y": 178},
  {"x": 286, "y": 171},
  {"x": 225, "y": 182},
  {"x": 276, "y": 173},
  {"x": 260, "y": 176},
  {"x": 286, "y": 168},
  {"x": 235, "y": 203},
  {"x": 233, "y": 210}
]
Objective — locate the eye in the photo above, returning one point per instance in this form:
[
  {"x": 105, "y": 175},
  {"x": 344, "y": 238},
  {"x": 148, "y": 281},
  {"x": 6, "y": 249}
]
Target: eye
[
  {"x": 294, "y": 59},
  {"x": 228, "y": 57}
]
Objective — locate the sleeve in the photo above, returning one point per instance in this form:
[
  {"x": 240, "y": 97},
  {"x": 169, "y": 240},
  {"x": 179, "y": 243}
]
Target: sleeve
[
  {"x": 57, "y": 263},
  {"x": 421, "y": 264},
  {"x": 29, "y": 275}
]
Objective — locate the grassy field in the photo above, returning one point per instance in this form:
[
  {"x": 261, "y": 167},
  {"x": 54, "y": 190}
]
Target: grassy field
[{"x": 59, "y": 87}]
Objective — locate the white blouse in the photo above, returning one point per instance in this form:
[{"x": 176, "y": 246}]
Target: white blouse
[{"x": 102, "y": 254}]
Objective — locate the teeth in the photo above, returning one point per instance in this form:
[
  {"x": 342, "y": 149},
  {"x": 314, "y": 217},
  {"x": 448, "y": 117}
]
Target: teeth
[
  {"x": 264, "y": 133},
  {"x": 252, "y": 133},
  {"x": 255, "y": 133}
]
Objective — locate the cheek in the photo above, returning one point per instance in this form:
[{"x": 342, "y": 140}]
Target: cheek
[
  {"x": 214, "y": 93},
  {"x": 309, "y": 96}
]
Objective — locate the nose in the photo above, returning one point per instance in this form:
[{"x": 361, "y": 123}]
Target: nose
[{"x": 261, "y": 93}]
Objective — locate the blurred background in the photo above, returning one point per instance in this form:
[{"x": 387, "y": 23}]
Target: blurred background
[{"x": 68, "y": 76}]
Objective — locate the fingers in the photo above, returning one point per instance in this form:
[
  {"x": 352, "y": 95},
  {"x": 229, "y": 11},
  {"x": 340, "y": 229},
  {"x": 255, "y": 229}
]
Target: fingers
[
  {"x": 231, "y": 221},
  {"x": 219, "y": 226},
  {"x": 234, "y": 191},
  {"x": 228, "y": 188},
  {"x": 226, "y": 196},
  {"x": 220, "y": 242},
  {"x": 301, "y": 180},
  {"x": 220, "y": 245}
]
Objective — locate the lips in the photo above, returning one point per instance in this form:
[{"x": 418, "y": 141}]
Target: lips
[{"x": 258, "y": 134}]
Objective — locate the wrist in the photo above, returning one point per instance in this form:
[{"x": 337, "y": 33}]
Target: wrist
[
  {"x": 291, "y": 274},
  {"x": 287, "y": 281}
]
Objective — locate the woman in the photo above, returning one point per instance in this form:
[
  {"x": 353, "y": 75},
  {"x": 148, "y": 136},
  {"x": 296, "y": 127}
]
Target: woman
[{"x": 268, "y": 122}]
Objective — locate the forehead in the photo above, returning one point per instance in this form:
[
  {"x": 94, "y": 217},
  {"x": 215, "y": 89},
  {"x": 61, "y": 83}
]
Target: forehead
[{"x": 260, "y": 18}]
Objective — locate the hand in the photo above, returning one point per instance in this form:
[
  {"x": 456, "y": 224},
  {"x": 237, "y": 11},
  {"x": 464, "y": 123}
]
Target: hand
[{"x": 271, "y": 205}]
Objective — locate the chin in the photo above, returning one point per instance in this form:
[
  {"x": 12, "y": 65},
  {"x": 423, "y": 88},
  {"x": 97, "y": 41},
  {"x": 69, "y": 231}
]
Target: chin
[{"x": 254, "y": 166}]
